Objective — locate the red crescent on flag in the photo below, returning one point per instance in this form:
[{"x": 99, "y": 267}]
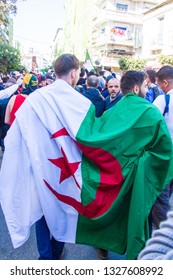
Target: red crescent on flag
[{"x": 111, "y": 180}]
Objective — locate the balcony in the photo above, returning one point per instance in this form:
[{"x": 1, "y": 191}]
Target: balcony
[
  {"x": 114, "y": 16},
  {"x": 113, "y": 40}
]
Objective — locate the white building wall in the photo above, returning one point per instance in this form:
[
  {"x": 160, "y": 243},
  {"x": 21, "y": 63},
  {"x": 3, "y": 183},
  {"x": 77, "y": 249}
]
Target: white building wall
[
  {"x": 108, "y": 46},
  {"x": 158, "y": 31}
]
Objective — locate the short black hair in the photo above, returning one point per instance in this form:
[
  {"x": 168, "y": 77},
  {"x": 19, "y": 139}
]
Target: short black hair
[
  {"x": 65, "y": 63},
  {"x": 166, "y": 72},
  {"x": 90, "y": 73},
  {"x": 152, "y": 75},
  {"x": 130, "y": 79},
  {"x": 82, "y": 72}
]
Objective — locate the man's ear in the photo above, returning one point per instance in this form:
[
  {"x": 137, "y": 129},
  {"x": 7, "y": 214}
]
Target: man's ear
[
  {"x": 73, "y": 73},
  {"x": 136, "y": 89},
  {"x": 166, "y": 82}
]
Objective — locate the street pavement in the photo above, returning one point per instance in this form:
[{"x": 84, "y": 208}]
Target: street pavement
[{"x": 28, "y": 251}]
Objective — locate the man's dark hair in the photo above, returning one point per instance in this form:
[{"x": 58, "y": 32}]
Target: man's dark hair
[
  {"x": 130, "y": 79},
  {"x": 90, "y": 73},
  {"x": 165, "y": 73},
  {"x": 65, "y": 63},
  {"x": 82, "y": 72},
  {"x": 101, "y": 72},
  {"x": 92, "y": 81},
  {"x": 152, "y": 75}
]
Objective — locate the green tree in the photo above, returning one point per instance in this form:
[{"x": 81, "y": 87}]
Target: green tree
[
  {"x": 7, "y": 8},
  {"x": 9, "y": 58},
  {"x": 136, "y": 64},
  {"x": 123, "y": 63},
  {"x": 166, "y": 59},
  {"x": 132, "y": 64}
]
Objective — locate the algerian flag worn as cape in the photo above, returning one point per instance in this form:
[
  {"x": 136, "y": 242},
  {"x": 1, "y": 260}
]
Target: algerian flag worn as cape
[{"x": 94, "y": 179}]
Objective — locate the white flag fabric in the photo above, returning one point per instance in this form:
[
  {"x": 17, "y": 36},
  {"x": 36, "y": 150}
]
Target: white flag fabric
[{"x": 29, "y": 161}]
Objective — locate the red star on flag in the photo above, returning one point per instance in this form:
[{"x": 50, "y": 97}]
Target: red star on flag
[{"x": 67, "y": 169}]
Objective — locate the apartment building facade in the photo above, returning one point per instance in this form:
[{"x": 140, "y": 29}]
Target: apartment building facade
[
  {"x": 158, "y": 33},
  {"x": 117, "y": 29}
]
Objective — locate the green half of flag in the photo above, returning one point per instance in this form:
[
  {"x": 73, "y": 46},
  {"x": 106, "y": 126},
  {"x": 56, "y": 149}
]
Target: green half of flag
[{"x": 130, "y": 162}]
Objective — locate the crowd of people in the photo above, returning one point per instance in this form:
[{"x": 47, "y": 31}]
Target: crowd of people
[
  {"x": 148, "y": 90},
  {"x": 16, "y": 86}
]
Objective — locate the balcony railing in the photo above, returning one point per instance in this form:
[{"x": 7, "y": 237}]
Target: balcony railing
[{"x": 113, "y": 40}]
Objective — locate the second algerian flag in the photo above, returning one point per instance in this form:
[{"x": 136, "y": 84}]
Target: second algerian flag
[{"x": 88, "y": 63}]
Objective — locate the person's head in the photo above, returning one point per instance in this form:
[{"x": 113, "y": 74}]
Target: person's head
[
  {"x": 30, "y": 83},
  {"x": 113, "y": 87},
  {"x": 151, "y": 76},
  {"x": 15, "y": 74},
  {"x": 101, "y": 72},
  {"x": 67, "y": 68},
  {"x": 109, "y": 77},
  {"x": 92, "y": 81},
  {"x": 114, "y": 74},
  {"x": 91, "y": 73},
  {"x": 164, "y": 78},
  {"x": 82, "y": 73},
  {"x": 134, "y": 81}
]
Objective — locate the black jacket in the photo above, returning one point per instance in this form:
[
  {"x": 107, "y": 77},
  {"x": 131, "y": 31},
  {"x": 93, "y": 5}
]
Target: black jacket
[
  {"x": 109, "y": 103},
  {"x": 97, "y": 99}
]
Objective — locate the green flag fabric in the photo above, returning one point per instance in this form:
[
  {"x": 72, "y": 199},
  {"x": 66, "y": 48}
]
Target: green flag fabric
[{"x": 135, "y": 133}]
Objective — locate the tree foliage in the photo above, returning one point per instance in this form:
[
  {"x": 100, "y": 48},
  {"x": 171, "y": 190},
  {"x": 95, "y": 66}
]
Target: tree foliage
[
  {"x": 131, "y": 64},
  {"x": 7, "y": 8},
  {"x": 166, "y": 59},
  {"x": 9, "y": 58},
  {"x": 123, "y": 63}
]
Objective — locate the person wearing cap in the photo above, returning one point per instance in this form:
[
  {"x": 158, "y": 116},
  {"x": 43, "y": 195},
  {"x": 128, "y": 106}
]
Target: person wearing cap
[{"x": 30, "y": 84}]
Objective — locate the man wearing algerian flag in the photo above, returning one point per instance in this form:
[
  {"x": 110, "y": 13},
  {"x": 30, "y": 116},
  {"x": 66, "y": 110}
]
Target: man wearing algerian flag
[{"x": 94, "y": 179}]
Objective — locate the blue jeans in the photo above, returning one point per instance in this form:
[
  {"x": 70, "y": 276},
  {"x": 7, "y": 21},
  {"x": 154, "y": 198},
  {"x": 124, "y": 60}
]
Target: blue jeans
[
  {"x": 48, "y": 247},
  {"x": 162, "y": 206}
]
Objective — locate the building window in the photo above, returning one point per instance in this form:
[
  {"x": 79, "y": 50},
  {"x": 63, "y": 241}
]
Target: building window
[
  {"x": 121, "y": 7},
  {"x": 161, "y": 18},
  {"x": 102, "y": 31}
]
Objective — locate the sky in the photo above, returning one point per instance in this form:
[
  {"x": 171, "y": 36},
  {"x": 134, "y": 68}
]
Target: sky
[{"x": 37, "y": 21}]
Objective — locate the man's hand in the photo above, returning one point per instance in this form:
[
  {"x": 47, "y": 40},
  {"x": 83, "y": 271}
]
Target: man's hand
[{"x": 19, "y": 80}]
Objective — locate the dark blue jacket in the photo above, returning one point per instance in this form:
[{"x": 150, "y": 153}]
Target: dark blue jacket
[
  {"x": 109, "y": 103},
  {"x": 97, "y": 99},
  {"x": 85, "y": 87},
  {"x": 105, "y": 92},
  {"x": 152, "y": 93}
]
